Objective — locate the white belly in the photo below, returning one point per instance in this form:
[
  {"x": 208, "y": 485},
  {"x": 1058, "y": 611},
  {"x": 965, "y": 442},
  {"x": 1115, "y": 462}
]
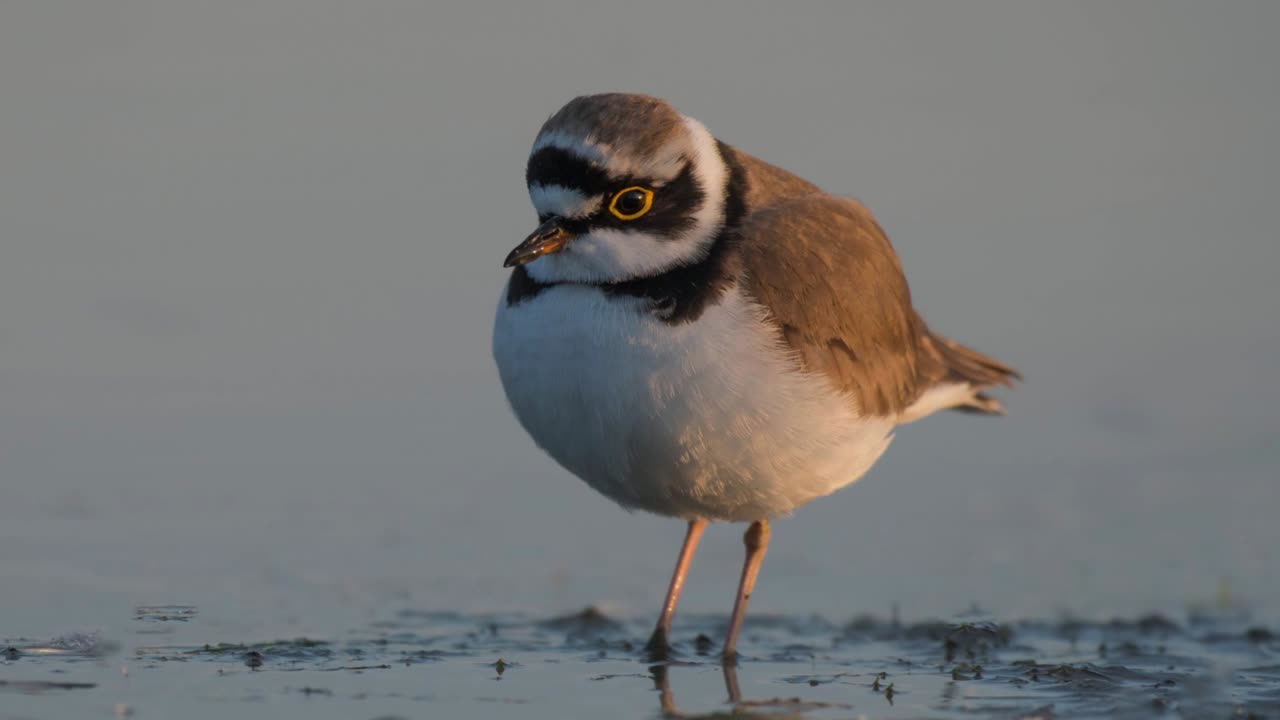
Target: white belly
[{"x": 704, "y": 419}]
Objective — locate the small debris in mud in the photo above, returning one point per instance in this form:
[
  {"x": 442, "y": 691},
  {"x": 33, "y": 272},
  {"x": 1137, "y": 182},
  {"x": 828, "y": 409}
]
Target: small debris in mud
[
  {"x": 1157, "y": 623},
  {"x": 35, "y": 687},
  {"x": 297, "y": 648},
  {"x": 703, "y": 644},
  {"x": 974, "y": 640},
  {"x": 590, "y": 620},
  {"x": 165, "y": 613},
  {"x": 1259, "y": 635},
  {"x": 421, "y": 656},
  {"x": 966, "y": 671},
  {"x": 70, "y": 645}
]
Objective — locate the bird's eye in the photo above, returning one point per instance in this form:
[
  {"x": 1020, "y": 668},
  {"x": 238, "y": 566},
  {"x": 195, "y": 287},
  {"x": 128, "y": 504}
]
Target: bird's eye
[{"x": 630, "y": 203}]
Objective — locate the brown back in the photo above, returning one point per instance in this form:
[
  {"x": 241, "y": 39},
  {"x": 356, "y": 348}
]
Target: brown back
[{"x": 826, "y": 272}]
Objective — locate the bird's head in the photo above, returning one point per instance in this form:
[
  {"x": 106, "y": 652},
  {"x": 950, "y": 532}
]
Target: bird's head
[{"x": 625, "y": 187}]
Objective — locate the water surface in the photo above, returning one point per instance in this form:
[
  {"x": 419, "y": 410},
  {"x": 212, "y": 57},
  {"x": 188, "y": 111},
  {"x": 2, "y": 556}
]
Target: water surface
[{"x": 178, "y": 661}]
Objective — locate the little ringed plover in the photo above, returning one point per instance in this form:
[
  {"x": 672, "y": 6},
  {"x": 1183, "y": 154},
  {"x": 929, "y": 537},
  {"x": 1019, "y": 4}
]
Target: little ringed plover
[{"x": 697, "y": 333}]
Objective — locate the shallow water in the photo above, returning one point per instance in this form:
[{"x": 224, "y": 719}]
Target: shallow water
[{"x": 183, "y": 661}]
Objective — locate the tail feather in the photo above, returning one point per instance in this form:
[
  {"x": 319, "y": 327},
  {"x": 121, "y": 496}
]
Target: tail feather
[
  {"x": 960, "y": 365},
  {"x": 969, "y": 365}
]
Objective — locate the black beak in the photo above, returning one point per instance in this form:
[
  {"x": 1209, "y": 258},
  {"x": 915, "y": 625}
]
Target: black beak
[{"x": 550, "y": 237}]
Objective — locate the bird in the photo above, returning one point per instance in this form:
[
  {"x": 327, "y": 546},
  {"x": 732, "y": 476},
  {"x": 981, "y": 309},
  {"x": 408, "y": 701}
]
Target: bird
[{"x": 700, "y": 334}]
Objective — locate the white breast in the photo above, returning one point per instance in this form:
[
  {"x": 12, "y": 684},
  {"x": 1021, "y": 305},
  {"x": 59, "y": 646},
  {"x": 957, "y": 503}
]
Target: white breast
[{"x": 709, "y": 418}]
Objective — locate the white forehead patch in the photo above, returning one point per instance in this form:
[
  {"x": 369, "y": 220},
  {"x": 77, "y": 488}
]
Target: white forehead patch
[
  {"x": 563, "y": 201},
  {"x": 584, "y": 148}
]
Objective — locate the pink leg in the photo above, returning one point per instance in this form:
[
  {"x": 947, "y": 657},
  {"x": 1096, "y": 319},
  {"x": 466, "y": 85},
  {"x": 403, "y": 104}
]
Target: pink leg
[
  {"x": 658, "y": 642},
  {"x": 756, "y": 540}
]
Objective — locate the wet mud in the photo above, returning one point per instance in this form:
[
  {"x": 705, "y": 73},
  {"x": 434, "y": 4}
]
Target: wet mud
[{"x": 413, "y": 663}]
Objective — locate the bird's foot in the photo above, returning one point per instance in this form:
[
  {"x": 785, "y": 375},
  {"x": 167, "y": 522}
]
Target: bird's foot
[{"x": 658, "y": 649}]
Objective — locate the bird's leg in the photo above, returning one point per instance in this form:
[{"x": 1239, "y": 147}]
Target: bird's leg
[
  {"x": 658, "y": 645},
  {"x": 756, "y": 540}
]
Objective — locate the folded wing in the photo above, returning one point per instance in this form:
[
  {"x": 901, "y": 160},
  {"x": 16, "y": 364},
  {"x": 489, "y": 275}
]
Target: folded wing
[{"x": 827, "y": 274}]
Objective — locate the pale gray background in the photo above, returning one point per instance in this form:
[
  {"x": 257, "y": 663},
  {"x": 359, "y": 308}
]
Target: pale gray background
[{"x": 249, "y": 255}]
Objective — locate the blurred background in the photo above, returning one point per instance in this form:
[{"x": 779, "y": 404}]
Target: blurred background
[{"x": 250, "y": 254}]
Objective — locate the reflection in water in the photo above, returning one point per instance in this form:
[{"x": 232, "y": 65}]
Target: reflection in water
[{"x": 773, "y": 708}]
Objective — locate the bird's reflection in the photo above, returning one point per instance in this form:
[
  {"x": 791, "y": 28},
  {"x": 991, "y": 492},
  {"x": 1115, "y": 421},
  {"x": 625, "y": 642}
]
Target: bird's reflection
[{"x": 774, "y": 709}]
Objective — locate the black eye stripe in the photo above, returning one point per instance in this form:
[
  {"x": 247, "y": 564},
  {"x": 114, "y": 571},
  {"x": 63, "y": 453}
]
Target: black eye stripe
[
  {"x": 673, "y": 207},
  {"x": 673, "y": 203}
]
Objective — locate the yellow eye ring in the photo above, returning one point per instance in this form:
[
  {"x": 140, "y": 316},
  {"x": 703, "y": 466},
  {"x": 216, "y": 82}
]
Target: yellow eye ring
[{"x": 620, "y": 214}]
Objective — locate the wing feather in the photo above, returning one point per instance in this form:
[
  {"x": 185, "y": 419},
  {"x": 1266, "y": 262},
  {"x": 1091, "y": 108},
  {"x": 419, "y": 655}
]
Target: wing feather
[{"x": 826, "y": 272}]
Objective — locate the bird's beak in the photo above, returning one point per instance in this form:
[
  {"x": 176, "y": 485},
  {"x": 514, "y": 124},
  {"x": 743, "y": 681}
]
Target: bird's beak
[{"x": 550, "y": 237}]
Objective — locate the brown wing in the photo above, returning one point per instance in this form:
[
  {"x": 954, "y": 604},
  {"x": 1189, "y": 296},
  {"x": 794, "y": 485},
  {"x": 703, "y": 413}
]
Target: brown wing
[{"x": 826, "y": 272}]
